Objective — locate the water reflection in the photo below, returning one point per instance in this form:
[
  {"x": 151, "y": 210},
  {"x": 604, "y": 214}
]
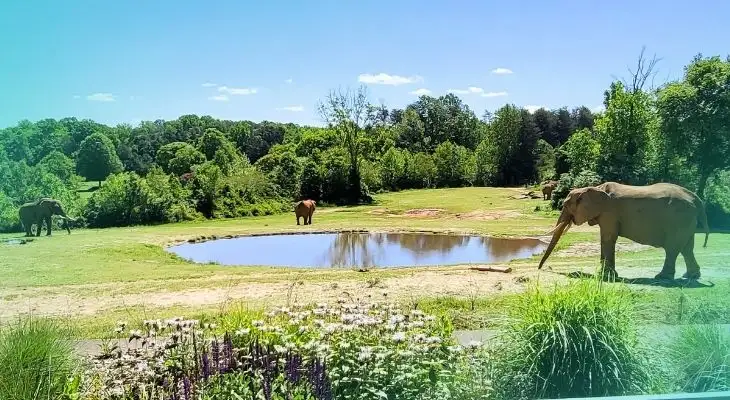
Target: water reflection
[{"x": 360, "y": 250}]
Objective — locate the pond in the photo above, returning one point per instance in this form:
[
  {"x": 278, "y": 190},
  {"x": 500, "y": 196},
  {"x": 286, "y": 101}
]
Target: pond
[{"x": 358, "y": 250}]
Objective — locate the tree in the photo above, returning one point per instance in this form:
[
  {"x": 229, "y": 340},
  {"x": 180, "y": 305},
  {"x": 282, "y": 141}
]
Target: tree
[
  {"x": 582, "y": 151},
  {"x": 695, "y": 115},
  {"x": 97, "y": 158},
  {"x": 58, "y": 164},
  {"x": 184, "y": 160},
  {"x": 347, "y": 113},
  {"x": 167, "y": 153},
  {"x": 546, "y": 123}
]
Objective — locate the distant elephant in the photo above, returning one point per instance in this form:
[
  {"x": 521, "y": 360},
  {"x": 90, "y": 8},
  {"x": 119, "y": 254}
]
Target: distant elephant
[
  {"x": 305, "y": 209},
  {"x": 661, "y": 215},
  {"x": 37, "y": 212},
  {"x": 547, "y": 189}
]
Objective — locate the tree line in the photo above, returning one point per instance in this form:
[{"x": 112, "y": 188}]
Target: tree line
[{"x": 202, "y": 167}]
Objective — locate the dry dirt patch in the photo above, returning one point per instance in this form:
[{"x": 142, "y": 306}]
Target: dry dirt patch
[
  {"x": 593, "y": 249},
  {"x": 423, "y": 212},
  {"x": 483, "y": 215}
]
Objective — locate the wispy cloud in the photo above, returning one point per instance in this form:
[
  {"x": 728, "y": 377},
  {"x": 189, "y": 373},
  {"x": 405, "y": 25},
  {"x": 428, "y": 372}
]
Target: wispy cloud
[
  {"x": 494, "y": 94},
  {"x": 290, "y": 80},
  {"x": 421, "y": 92},
  {"x": 532, "y": 108},
  {"x": 77, "y": 96},
  {"x": 386, "y": 79},
  {"x": 208, "y": 84},
  {"x": 502, "y": 71},
  {"x": 221, "y": 97},
  {"x": 291, "y": 108},
  {"x": 598, "y": 109},
  {"x": 104, "y": 97},
  {"x": 237, "y": 91},
  {"x": 469, "y": 90}
]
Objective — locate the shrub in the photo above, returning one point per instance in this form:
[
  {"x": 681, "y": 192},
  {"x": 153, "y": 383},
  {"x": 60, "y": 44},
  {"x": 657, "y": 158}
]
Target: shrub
[
  {"x": 576, "y": 341},
  {"x": 35, "y": 360},
  {"x": 717, "y": 195},
  {"x": 569, "y": 182},
  {"x": 701, "y": 355}
]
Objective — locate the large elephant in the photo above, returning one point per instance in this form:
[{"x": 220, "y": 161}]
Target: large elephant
[
  {"x": 661, "y": 215},
  {"x": 547, "y": 189},
  {"x": 40, "y": 211},
  {"x": 305, "y": 209}
]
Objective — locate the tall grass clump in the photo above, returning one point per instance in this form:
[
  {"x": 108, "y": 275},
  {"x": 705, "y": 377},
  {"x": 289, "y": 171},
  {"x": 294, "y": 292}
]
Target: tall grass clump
[
  {"x": 701, "y": 354},
  {"x": 36, "y": 360},
  {"x": 577, "y": 340}
]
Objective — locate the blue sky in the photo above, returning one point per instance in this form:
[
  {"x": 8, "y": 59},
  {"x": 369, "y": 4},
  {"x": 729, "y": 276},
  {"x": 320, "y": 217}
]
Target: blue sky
[{"x": 126, "y": 61}]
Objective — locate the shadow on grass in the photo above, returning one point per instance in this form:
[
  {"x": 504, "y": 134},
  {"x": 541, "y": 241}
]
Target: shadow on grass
[{"x": 666, "y": 283}]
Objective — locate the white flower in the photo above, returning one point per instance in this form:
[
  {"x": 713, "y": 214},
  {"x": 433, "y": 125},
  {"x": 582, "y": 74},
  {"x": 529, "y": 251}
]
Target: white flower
[
  {"x": 433, "y": 339},
  {"x": 243, "y": 332},
  {"x": 257, "y": 323},
  {"x": 455, "y": 349},
  {"x": 399, "y": 337},
  {"x": 365, "y": 353},
  {"x": 416, "y": 324},
  {"x": 474, "y": 344}
]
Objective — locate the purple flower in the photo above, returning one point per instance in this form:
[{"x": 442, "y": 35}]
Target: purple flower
[
  {"x": 186, "y": 388},
  {"x": 293, "y": 365},
  {"x": 205, "y": 364},
  {"x": 214, "y": 349}
]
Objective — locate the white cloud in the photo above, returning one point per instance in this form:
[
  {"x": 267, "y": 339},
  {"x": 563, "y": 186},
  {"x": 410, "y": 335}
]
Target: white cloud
[
  {"x": 100, "y": 97},
  {"x": 77, "y": 96},
  {"x": 494, "y": 94},
  {"x": 502, "y": 71},
  {"x": 598, "y": 109},
  {"x": 221, "y": 97},
  {"x": 290, "y": 80},
  {"x": 237, "y": 91},
  {"x": 208, "y": 84},
  {"x": 385, "y": 79},
  {"x": 421, "y": 92},
  {"x": 469, "y": 90},
  {"x": 291, "y": 108},
  {"x": 532, "y": 108}
]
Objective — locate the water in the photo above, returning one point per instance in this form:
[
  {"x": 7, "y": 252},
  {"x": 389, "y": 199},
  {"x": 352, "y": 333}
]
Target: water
[{"x": 360, "y": 250}]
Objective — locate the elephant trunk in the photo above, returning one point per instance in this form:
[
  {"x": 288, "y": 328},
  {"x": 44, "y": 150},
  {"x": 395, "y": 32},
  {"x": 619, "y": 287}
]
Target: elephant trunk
[{"x": 564, "y": 222}]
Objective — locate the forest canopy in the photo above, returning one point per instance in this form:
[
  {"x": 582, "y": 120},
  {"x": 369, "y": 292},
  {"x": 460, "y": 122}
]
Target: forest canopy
[{"x": 202, "y": 167}]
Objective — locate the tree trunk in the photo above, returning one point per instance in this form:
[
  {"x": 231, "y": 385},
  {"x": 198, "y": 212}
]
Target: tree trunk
[{"x": 704, "y": 176}]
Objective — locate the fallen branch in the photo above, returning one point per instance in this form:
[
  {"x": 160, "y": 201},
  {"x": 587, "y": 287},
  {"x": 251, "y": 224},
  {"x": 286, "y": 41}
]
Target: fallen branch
[{"x": 505, "y": 270}]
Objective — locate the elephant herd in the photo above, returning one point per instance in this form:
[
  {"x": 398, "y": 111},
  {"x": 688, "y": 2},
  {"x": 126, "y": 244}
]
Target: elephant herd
[{"x": 661, "y": 215}]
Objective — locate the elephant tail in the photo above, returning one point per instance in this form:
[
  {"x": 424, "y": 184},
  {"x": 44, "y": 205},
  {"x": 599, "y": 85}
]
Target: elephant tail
[{"x": 703, "y": 219}]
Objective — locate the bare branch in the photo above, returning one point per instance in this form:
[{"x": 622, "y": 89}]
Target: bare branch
[{"x": 645, "y": 70}]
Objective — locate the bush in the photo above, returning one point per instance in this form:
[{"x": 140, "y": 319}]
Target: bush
[
  {"x": 569, "y": 182},
  {"x": 128, "y": 199},
  {"x": 35, "y": 360},
  {"x": 701, "y": 355},
  {"x": 576, "y": 341},
  {"x": 717, "y": 196}
]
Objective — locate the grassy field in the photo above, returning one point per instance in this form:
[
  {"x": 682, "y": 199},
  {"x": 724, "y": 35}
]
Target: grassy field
[{"x": 95, "y": 277}]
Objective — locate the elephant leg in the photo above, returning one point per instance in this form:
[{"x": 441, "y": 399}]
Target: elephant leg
[
  {"x": 693, "y": 268},
  {"x": 49, "y": 222},
  {"x": 38, "y": 227},
  {"x": 608, "y": 257},
  {"x": 670, "y": 261},
  {"x": 28, "y": 225}
]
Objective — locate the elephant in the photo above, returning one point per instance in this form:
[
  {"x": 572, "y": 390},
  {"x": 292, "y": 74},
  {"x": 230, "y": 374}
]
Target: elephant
[
  {"x": 39, "y": 211},
  {"x": 305, "y": 209},
  {"x": 661, "y": 215},
  {"x": 547, "y": 189}
]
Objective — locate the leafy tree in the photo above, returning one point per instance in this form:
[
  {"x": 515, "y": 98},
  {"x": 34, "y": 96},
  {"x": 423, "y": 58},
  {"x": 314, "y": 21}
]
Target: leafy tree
[
  {"x": 695, "y": 115},
  {"x": 545, "y": 160},
  {"x": 452, "y": 163},
  {"x": 168, "y": 152},
  {"x": 421, "y": 171},
  {"x": 311, "y": 182},
  {"x": 392, "y": 169},
  {"x": 446, "y": 118},
  {"x": 58, "y": 164},
  {"x": 623, "y": 133},
  {"x": 547, "y": 123},
  {"x": 563, "y": 125},
  {"x": 582, "y": 151},
  {"x": 500, "y": 147},
  {"x": 582, "y": 118},
  {"x": 97, "y": 158},
  {"x": 347, "y": 113},
  {"x": 411, "y": 132},
  {"x": 184, "y": 160}
]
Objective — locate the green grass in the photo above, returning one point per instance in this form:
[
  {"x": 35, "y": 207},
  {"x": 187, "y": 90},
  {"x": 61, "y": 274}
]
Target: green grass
[
  {"x": 105, "y": 265},
  {"x": 577, "y": 340},
  {"x": 35, "y": 360},
  {"x": 701, "y": 355}
]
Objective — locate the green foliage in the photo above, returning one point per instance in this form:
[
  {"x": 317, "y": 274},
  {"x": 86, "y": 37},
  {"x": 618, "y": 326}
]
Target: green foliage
[
  {"x": 701, "y": 355},
  {"x": 574, "y": 341},
  {"x": 167, "y": 153},
  {"x": 312, "y": 181},
  {"x": 623, "y": 133},
  {"x": 393, "y": 168},
  {"x": 60, "y": 165},
  {"x": 284, "y": 168},
  {"x": 35, "y": 360},
  {"x": 128, "y": 199},
  {"x": 582, "y": 151},
  {"x": 371, "y": 176},
  {"x": 451, "y": 162},
  {"x": 421, "y": 171},
  {"x": 335, "y": 173},
  {"x": 568, "y": 182},
  {"x": 184, "y": 160},
  {"x": 97, "y": 158},
  {"x": 694, "y": 116},
  {"x": 545, "y": 160},
  {"x": 717, "y": 200}
]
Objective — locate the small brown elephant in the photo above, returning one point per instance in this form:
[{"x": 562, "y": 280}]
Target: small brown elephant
[
  {"x": 661, "y": 215},
  {"x": 305, "y": 209},
  {"x": 547, "y": 189}
]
